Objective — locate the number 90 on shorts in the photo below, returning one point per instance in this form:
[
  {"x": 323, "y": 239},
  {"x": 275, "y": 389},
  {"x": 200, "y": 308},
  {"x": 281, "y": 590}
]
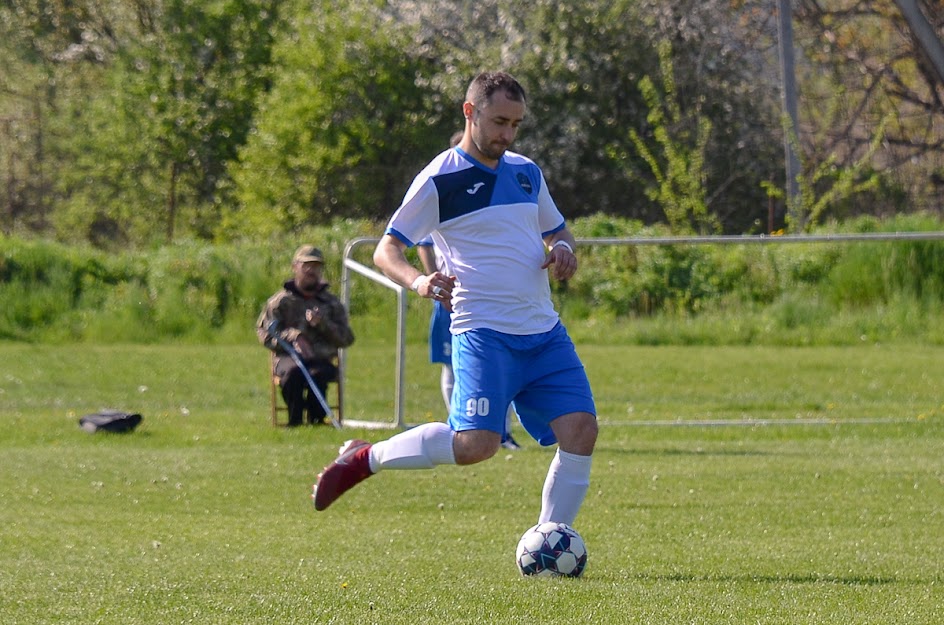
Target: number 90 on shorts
[
  {"x": 540, "y": 373},
  {"x": 477, "y": 407}
]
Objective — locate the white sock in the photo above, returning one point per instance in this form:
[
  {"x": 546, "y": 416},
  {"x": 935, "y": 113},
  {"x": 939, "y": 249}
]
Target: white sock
[
  {"x": 568, "y": 479},
  {"x": 422, "y": 447},
  {"x": 447, "y": 380}
]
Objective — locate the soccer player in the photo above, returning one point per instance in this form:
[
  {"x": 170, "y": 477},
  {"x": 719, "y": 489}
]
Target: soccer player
[{"x": 501, "y": 234}]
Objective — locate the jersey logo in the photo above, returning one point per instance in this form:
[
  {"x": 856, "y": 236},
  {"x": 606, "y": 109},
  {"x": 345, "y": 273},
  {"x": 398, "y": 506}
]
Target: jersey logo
[
  {"x": 524, "y": 182},
  {"x": 475, "y": 188}
]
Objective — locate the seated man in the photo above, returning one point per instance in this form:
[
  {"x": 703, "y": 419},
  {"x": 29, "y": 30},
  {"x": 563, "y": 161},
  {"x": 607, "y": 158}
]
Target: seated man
[{"x": 315, "y": 323}]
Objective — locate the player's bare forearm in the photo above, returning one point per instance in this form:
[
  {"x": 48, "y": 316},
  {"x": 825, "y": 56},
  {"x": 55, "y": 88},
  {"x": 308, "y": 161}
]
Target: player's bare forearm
[
  {"x": 391, "y": 260},
  {"x": 564, "y": 235},
  {"x": 389, "y": 257},
  {"x": 560, "y": 257},
  {"x": 427, "y": 257}
]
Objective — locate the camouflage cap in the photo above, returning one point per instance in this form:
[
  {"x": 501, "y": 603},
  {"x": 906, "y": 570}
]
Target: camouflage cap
[{"x": 308, "y": 254}]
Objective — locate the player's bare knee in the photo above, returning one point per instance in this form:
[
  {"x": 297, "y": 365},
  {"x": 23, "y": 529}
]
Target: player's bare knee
[
  {"x": 576, "y": 433},
  {"x": 474, "y": 446}
]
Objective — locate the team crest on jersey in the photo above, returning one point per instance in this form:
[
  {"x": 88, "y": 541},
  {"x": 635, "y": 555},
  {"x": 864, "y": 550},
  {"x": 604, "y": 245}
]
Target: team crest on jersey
[{"x": 525, "y": 183}]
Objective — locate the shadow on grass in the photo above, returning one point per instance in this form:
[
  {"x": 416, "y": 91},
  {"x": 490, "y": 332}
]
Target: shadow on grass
[
  {"x": 684, "y": 452},
  {"x": 812, "y": 578}
]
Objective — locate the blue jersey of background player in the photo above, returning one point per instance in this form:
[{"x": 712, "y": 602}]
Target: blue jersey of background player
[
  {"x": 489, "y": 212},
  {"x": 440, "y": 340}
]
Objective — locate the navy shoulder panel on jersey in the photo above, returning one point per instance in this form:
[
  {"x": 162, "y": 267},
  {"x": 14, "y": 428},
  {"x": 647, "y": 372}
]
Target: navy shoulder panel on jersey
[
  {"x": 463, "y": 192},
  {"x": 468, "y": 190}
]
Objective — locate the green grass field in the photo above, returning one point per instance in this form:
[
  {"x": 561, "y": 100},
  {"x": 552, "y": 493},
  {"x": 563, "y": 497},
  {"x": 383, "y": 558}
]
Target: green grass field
[{"x": 730, "y": 485}]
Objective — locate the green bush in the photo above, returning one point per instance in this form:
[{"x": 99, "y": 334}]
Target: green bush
[
  {"x": 45, "y": 286},
  {"x": 187, "y": 291},
  {"x": 797, "y": 293},
  {"x": 871, "y": 273}
]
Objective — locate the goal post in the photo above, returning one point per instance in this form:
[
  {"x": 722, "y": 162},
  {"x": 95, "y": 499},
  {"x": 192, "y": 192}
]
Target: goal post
[
  {"x": 348, "y": 268},
  {"x": 351, "y": 266}
]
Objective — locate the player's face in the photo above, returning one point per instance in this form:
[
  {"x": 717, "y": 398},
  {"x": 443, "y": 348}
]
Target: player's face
[{"x": 495, "y": 126}]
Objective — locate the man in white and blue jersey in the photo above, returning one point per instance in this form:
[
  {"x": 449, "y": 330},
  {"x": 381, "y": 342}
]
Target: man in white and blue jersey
[{"x": 489, "y": 211}]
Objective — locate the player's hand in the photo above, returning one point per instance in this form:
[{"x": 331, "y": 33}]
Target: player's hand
[
  {"x": 563, "y": 260},
  {"x": 437, "y": 286}
]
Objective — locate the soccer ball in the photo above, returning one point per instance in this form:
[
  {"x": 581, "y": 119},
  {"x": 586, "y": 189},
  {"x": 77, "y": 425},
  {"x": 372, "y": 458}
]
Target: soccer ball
[{"x": 551, "y": 549}]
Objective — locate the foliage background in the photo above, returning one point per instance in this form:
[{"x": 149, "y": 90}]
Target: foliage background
[{"x": 141, "y": 122}]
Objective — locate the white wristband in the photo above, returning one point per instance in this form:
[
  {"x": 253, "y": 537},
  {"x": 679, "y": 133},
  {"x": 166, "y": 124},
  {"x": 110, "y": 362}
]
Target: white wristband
[
  {"x": 416, "y": 283},
  {"x": 563, "y": 243}
]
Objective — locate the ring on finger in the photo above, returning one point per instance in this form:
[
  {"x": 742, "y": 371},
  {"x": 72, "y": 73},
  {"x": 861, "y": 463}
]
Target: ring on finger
[{"x": 437, "y": 290}]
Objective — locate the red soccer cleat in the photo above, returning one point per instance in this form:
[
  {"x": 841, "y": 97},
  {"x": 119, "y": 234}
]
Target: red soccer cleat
[{"x": 350, "y": 468}]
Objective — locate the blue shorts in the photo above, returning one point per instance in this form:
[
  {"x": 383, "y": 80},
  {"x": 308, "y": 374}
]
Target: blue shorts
[
  {"x": 541, "y": 373},
  {"x": 440, "y": 339}
]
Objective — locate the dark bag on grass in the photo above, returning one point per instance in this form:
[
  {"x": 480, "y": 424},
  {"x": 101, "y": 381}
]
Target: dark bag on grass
[{"x": 110, "y": 421}]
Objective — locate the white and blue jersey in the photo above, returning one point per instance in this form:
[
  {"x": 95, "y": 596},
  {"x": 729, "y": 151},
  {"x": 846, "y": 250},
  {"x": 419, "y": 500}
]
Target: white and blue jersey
[{"x": 486, "y": 223}]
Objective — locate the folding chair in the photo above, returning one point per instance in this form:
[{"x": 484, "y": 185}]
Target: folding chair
[{"x": 276, "y": 405}]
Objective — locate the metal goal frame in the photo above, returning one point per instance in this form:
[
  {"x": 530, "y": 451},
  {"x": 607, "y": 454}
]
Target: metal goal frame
[{"x": 350, "y": 267}]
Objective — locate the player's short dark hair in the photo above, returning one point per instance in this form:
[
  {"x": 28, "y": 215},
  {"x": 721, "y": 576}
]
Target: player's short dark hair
[{"x": 485, "y": 84}]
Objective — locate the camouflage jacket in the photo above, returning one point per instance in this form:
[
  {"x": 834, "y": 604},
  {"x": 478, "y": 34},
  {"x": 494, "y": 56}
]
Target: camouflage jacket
[{"x": 287, "y": 308}]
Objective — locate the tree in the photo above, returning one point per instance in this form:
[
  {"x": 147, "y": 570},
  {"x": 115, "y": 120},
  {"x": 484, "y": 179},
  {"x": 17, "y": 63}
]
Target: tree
[
  {"x": 149, "y": 120},
  {"x": 48, "y": 52},
  {"x": 678, "y": 164},
  {"x": 581, "y": 62},
  {"x": 178, "y": 103},
  {"x": 585, "y": 61},
  {"x": 348, "y": 122},
  {"x": 864, "y": 77}
]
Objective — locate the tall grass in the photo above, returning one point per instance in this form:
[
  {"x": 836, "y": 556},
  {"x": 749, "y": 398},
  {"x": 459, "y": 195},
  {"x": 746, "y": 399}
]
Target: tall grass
[{"x": 795, "y": 294}]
